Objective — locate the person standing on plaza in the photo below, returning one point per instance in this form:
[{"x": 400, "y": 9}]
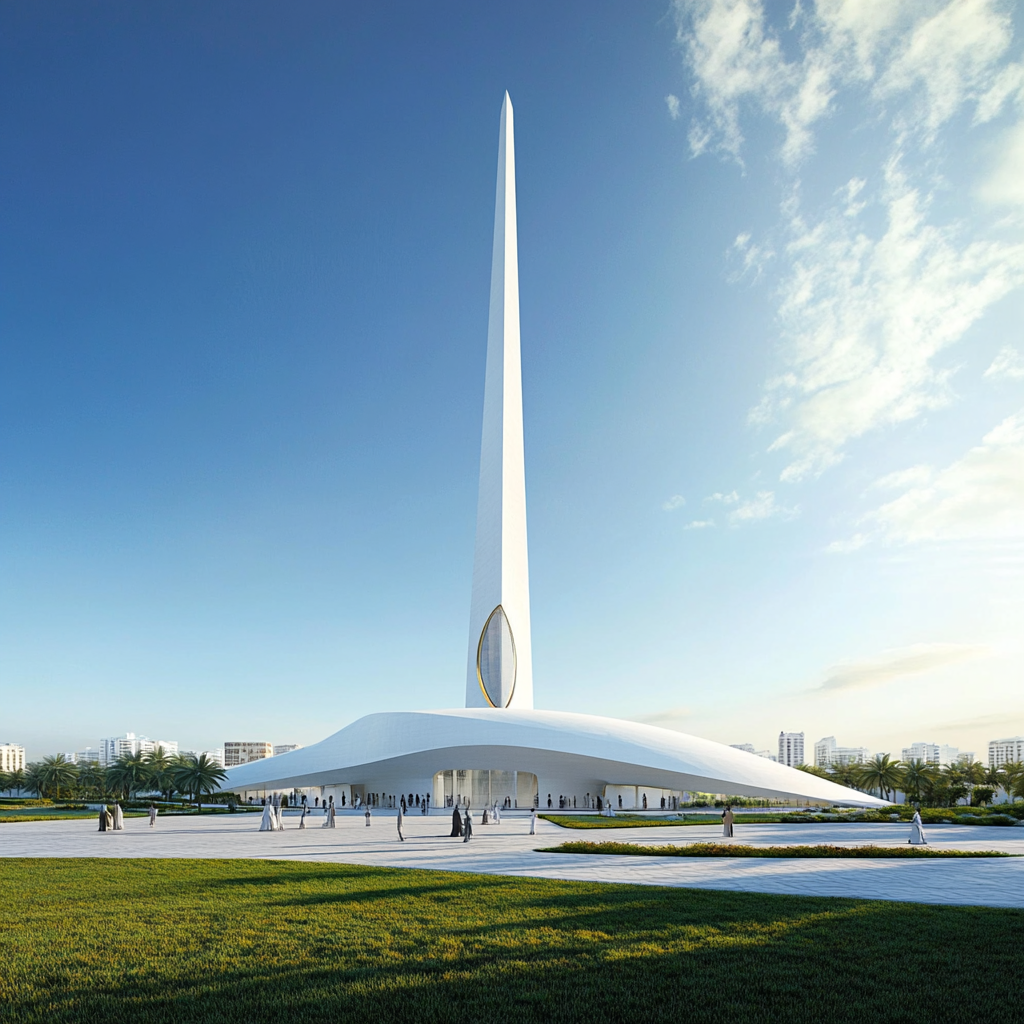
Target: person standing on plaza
[
  {"x": 305, "y": 809},
  {"x": 267, "y": 821},
  {"x": 467, "y": 827},
  {"x": 917, "y": 830},
  {"x": 727, "y": 820},
  {"x": 118, "y": 817},
  {"x": 152, "y": 815},
  {"x": 533, "y": 821},
  {"x": 456, "y": 823},
  {"x": 103, "y": 820},
  {"x": 332, "y": 810},
  {"x": 401, "y": 821},
  {"x": 367, "y": 815}
]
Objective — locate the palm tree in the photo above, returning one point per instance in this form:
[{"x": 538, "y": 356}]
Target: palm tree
[
  {"x": 957, "y": 783},
  {"x": 198, "y": 775},
  {"x": 919, "y": 778},
  {"x": 128, "y": 774},
  {"x": 56, "y": 771},
  {"x": 16, "y": 780},
  {"x": 5, "y": 782},
  {"x": 161, "y": 774},
  {"x": 33, "y": 778},
  {"x": 92, "y": 778},
  {"x": 1013, "y": 773},
  {"x": 881, "y": 773}
]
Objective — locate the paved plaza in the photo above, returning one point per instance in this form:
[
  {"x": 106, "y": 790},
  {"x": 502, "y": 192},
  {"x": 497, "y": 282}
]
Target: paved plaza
[{"x": 509, "y": 849}]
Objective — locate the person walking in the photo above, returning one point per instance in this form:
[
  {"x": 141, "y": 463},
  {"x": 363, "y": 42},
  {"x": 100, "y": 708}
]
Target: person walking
[
  {"x": 103, "y": 820},
  {"x": 467, "y": 829},
  {"x": 727, "y": 820},
  {"x": 456, "y": 823},
  {"x": 305, "y": 810},
  {"x": 332, "y": 810},
  {"x": 152, "y": 815},
  {"x": 367, "y": 813},
  {"x": 533, "y": 821},
  {"x": 118, "y": 817},
  {"x": 917, "y": 830},
  {"x": 401, "y": 821}
]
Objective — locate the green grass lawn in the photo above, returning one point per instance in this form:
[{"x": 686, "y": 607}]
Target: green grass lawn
[
  {"x": 737, "y": 850},
  {"x": 188, "y": 941}
]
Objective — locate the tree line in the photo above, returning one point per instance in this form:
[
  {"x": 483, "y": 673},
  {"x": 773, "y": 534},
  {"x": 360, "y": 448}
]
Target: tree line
[
  {"x": 191, "y": 776},
  {"x": 924, "y": 783}
]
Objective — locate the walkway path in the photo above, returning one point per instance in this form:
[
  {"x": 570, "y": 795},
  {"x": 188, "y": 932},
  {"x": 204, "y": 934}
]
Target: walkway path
[{"x": 508, "y": 849}]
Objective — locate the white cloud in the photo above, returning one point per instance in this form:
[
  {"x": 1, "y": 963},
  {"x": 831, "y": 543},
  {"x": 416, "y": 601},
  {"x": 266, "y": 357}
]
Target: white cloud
[
  {"x": 867, "y": 313},
  {"x": 897, "y": 663},
  {"x": 762, "y": 506},
  {"x": 672, "y": 102},
  {"x": 676, "y": 501},
  {"x": 978, "y": 497},
  {"x": 670, "y": 718},
  {"x": 903, "y": 478},
  {"x": 1007, "y": 363},
  {"x": 752, "y": 256},
  {"x": 726, "y": 499},
  {"x": 699, "y": 524}
]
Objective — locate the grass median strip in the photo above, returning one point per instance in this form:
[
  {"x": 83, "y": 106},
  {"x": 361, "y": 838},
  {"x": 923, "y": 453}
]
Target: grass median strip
[{"x": 727, "y": 850}]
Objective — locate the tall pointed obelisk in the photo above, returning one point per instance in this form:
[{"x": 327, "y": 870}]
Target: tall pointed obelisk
[{"x": 500, "y": 661}]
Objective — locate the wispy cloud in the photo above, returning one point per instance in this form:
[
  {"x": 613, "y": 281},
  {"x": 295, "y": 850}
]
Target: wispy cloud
[
  {"x": 675, "y": 502},
  {"x": 671, "y": 718},
  {"x": 868, "y": 306},
  {"x": 672, "y": 102},
  {"x": 762, "y": 506},
  {"x": 897, "y": 663},
  {"x": 977, "y": 497},
  {"x": 1008, "y": 361},
  {"x": 726, "y": 499},
  {"x": 699, "y": 524}
]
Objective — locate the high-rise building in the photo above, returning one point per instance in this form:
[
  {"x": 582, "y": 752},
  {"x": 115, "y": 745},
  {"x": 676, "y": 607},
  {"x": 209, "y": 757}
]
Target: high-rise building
[
  {"x": 1008, "y": 751},
  {"x": 791, "y": 748},
  {"x": 12, "y": 757},
  {"x": 238, "y": 752},
  {"x": 933, "y": 753},
  {"x": 828, "y": 754},
  {"x": 129, "y": 744},
  {"x": 751, "y": 749},
  {"x": 283, "y": 748},
  {"x": 90, "y": 754}
]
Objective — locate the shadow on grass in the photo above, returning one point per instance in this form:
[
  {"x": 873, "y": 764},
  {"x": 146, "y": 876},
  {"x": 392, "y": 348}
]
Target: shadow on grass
[{"x": 217, "y": 941}]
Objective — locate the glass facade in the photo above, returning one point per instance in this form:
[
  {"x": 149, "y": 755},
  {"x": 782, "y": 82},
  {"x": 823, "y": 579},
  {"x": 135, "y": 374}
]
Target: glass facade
[
  {"x": 477, "y": 788},
  {"x": 496, "y": 660}
]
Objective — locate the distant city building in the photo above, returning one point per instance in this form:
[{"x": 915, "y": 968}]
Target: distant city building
[
  {"x": 217, "y": 756},
  {"x": 749, "y": 748},
  {"x": 791, "y": 748},
  {"x": 828, "y": 754},
  {"x": 283, "y": 748},
  {"x": 934, "y": 753},
  {"x": 12, "y": 757},
  {"x": 238, "y": 752},
  {"x": 87, "y": 755},
  {"x": 1002, "y": 752},
  {"x": 129, "y": 745}
]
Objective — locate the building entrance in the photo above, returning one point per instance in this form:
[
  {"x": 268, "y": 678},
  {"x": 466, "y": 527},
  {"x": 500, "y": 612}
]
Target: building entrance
[{"x": 476, "y": 787}]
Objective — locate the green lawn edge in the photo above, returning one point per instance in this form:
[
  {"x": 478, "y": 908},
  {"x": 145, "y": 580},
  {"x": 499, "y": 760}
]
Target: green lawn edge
[{"x": 726, "y": 850}]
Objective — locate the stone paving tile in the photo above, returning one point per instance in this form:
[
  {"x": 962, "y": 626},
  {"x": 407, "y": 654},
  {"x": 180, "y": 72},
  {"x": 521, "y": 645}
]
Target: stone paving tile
[{"x": 508, "y": 849}]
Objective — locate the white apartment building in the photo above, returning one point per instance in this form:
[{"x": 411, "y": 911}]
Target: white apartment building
[
  {"x": 12, "y": 757},
  {"x": 1002, "y": 752},
  {"x": 129, "y": 744},
  {"x": 791, "y": 748},
  {"x": 283, "y": 748},
  {"x": 935, "y": 753},
  {"x": 217, "y": 756},
  {"x": 828, "y": 754},
  {"x": 89, "y": 754},
  {"x": 238, "y": 752}
]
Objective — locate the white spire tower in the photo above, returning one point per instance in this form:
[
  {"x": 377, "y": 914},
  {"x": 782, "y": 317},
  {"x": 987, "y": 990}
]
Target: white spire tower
[{"x": 500, "y": 660}]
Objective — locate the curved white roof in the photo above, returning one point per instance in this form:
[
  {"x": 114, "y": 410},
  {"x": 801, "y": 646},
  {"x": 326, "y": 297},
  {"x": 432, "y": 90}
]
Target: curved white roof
[{"x": 559, "y": 747}]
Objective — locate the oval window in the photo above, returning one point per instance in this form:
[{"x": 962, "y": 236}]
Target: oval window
[{"x": 496, "y": 660}]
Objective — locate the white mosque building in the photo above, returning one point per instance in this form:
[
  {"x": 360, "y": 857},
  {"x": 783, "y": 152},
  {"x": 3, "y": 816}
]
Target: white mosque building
[{"x": 499, "y": 748}]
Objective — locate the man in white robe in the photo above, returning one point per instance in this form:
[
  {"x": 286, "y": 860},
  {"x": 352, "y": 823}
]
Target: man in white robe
[
  {"x": 401, "y": 822},
  {"x": 267, "y": 821},
  {"x": 118, "y": 818},
  {"x": 916, "y": 830}
]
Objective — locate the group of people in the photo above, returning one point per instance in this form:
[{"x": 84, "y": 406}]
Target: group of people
[{"x": 112, "y": 818}]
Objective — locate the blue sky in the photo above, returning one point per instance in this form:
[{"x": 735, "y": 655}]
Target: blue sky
[{"x": 772, "y": 296}]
